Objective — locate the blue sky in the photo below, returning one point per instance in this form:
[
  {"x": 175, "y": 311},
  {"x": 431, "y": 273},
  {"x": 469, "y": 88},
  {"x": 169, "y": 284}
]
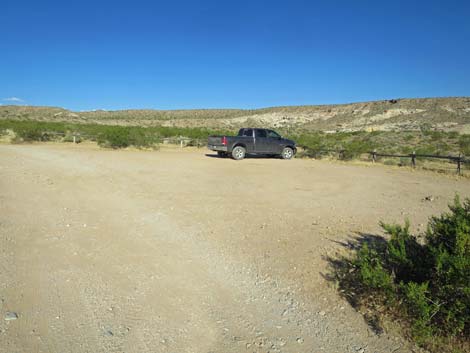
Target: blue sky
[{"x": 85, "y": 55}]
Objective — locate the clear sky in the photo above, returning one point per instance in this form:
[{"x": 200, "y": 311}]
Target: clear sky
[{"x": 85, "y": 55}]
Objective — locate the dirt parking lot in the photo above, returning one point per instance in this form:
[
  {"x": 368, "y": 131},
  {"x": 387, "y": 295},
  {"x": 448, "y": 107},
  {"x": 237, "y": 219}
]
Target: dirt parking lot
[{"x": 179, "y": 251}]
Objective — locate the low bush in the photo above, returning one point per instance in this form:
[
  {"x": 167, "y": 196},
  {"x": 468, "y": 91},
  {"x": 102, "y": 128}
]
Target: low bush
[
  {"x": 105, "y": 135},
  {"x": 426, "y": 282},
  {"x": 123, "y": 136}
]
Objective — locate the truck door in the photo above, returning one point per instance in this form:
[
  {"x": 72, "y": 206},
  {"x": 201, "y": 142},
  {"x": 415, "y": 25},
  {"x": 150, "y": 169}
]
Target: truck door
[
  {"x": 249, "y": 140},
  {"x": 273, "y": 141},
  {"x": 261, "y": 141}
]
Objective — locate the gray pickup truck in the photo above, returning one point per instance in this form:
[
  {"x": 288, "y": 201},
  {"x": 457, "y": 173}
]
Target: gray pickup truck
[{"x": 252, "y": 141}]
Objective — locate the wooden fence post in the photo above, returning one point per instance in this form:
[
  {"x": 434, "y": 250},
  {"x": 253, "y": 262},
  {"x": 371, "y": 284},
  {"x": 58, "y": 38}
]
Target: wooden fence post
[
  {"x": 341, "y": 155},
  {"x": 459, "y": 162},
  {"x": 374, "y": 156},
  {"x": 74, "y": 139},
  {"x": 413, "y": 159}
]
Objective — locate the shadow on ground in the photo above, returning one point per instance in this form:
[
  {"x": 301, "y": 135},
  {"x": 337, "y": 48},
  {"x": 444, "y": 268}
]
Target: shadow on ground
[
  {"x": 248, "y": 156},
  {"x": 345, "y": 276}
]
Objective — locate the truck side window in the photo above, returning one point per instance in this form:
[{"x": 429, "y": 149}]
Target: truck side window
[
  {"x": 261, "y": 133},
  {"x": 273, "y": 134},
  {"x": 248, "y": 132}
]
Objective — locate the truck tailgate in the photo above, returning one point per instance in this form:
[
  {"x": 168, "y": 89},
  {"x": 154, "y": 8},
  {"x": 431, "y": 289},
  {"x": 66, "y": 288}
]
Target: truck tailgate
[{"x": 214, "y": 140}]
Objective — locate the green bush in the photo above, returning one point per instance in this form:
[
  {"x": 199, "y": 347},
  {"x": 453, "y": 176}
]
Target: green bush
[
  {"x": 106, "y": 135},
  {"x": 30, "y": 132},
  {"x": 427, "y": 281},
  {"x": 123, "y": 136},
  {"x": 464, "y": 143}
]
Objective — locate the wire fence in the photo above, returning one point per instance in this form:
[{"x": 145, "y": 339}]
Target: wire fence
[
  {"x": 78, "y": 137},
  {"x": 459, "y": 161}
]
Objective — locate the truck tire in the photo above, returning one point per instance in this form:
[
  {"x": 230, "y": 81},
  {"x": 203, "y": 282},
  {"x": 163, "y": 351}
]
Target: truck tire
[
  {"x": 287, "y": 153},
  {"x": 238, "y": 153}
]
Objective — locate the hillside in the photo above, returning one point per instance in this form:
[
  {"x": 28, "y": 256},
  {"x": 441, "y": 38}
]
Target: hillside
[{"x": 446, "y": 114}]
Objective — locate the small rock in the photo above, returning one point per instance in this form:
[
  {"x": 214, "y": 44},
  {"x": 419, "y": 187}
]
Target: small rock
[
  {"x": 429, "y": 198},
  {"x": 322, "y": 313},
  {"x": 300, "y": 340},
  {"x": 108, "y": 333},
  {"x": 9, "y": 316}
]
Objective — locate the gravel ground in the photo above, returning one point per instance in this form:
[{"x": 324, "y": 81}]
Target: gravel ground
[{"x": 181, "y": 251}]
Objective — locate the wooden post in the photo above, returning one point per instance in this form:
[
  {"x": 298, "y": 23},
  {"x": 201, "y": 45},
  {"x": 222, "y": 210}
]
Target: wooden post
[
  {"x": 374, "y": 156},
  {"x": 413, "y": 159},
  {"x": 74, "y": 139},
  {"x": 459, "y": 162},
  {"x": 181, "y": 143}
]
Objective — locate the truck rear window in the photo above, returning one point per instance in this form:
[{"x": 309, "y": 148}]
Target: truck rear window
[{"x": 248, "y": 132}]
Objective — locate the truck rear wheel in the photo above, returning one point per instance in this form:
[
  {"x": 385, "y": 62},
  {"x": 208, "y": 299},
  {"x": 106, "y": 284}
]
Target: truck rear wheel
[
  {"x": 287, "y": 153},
  {"x": 238, "y": 153}
]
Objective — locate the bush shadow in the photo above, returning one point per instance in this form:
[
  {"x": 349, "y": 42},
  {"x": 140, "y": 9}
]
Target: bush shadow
[{"x": 344, "y": 275}]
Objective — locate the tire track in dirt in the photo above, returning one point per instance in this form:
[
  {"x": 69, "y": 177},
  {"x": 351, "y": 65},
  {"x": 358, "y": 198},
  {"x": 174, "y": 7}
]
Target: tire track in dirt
[{"x": 148, "y": 252}]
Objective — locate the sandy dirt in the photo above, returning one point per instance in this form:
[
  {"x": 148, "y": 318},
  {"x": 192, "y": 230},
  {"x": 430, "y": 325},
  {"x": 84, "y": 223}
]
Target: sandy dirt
[{"x": 180, "y": 251}]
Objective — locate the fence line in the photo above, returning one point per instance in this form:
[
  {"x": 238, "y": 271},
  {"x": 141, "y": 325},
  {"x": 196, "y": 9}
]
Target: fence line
[
  {"x": 179, "y": 140},
  {"x": 373, "y": 155},
  {"x": 458, "y": 160}
]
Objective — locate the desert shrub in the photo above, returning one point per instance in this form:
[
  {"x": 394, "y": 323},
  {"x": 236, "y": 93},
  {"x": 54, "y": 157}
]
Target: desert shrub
[
  {"x": 115, "y": 137},
  {"x": 105, "y": 135},
  {"x": 464, "y": 144},
  {"x": 69, "y": 137},
  {"x": 30, "y": 132},
  {"x": 390, "y": 161},
  {"x": 426, "y": 282},
  {"x": 124, "y": 136},
  {"x": 404, "y": 161},
  {"x": 408, "y": 137},
  {"x": 353, "y": 149},
  {"x": 426, "y": 149}
]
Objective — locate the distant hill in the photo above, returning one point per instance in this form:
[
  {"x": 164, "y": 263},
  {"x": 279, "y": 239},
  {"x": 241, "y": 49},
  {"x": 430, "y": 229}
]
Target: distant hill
[{"x": 447, "y": 114}]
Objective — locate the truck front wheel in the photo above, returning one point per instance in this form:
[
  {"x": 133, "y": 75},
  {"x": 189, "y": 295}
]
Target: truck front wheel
[
  {"x": 238, "y": 153},
  {"x": 287, "y": 153}
]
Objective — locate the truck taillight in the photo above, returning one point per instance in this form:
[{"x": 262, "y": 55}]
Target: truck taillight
[{"x": 224, "y": 141}]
